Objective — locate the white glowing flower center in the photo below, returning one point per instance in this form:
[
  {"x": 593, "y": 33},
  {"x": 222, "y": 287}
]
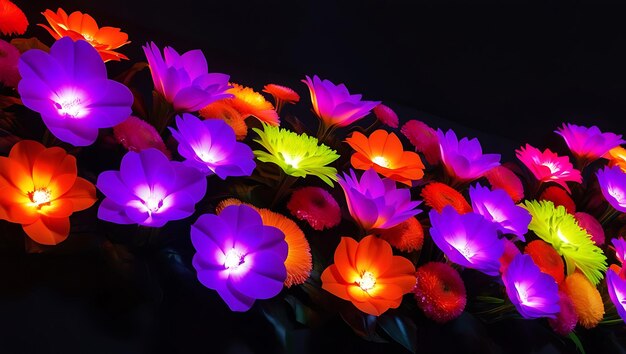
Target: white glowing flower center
[
  {"x": 41, "y": 196},
  {"x": 554, "y": 168},
  {"x": 153, "y": 203},
  {"x": 616, "y": 193},
  {"x": 466, "y": 251},
  {"x": 561, "y": 236},
  {"x": 522, "y": 292},
  {"x": 367, "y": 281},
  {"x": 207, "y": 156},
  {"x": 381, "y": 161},
  {"x": 292, "y": 161},
  {"x": 70, "y": 105},
  {"x": 233, "y": 259}
]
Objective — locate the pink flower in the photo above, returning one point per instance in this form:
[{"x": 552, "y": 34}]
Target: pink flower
[
  {"x": 510, "y": 251},
  {"x": 588, "y": 144},
  {"x": 137, "y": 135},
  {"x": 316, "y": 206},
  {"x": 501, "y": 177},
  {"x": 548, "y": 166},
  {"x": 424, "y": 138},
  {"x": 9, "y": 57},
  {"x": 566, "y": 319},
  {"x": 592, "y": 226},
  {"x": 386, "y": 115}
]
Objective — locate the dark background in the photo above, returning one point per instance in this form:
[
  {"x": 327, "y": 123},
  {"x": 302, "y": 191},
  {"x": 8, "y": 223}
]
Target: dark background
[{"x": 507, "y": 74}]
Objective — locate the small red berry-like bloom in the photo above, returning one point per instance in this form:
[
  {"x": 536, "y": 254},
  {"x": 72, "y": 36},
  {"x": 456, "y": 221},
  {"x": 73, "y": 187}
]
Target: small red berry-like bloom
[
  {"x": 315, "y": 206},
  {"x": 558, "y": 196},
  {"x": 440, "y": 292},
  {"x": 437, "y": 195},
  {"x": 386, "y": 115}
]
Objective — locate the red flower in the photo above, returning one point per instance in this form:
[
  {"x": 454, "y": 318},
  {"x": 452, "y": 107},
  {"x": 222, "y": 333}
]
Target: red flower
[
  {"x": 316, "y": 206},
  {"x": 386, "y": 115},
  {"x": 440, "y": 291},
  {"x": 559, "y": 196},
  {"x": 407, "y": 236},
  {"x": 12, "y": 19},
  {"x": 510, "y": 251},
  {"x": 437, "y": 195},
  {"x": 501, "y": 177},
  {"x": 547, "y": 259},
  {"x": 424, "y": 138}
]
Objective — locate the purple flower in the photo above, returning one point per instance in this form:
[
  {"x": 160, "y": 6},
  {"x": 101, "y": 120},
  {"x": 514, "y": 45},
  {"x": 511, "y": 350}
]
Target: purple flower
[
  {"x": 468, "y": 239},
  {"x": 184, "y": 80},
  {"x": 534, "y": 294},
  {"x": 498, "y": 207},
  {"x": 616, "y": 287},
  {"x": 588, "y": 143},
  {"x": 464, "y": 159},
  {"x": 211, "y": 147},
  {"x": 149, "y": 190},
  {"x": 376, "y": 203},
  {"x": 238, "y": 256},
  {"x": 70, "y": 89},
  {"x": 620, "y": 248},
  {"x": 613, "y": 185},
  {"x": 334, "y": 105}
]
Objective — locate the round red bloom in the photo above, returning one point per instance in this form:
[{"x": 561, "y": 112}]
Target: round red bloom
[
  {"x": 12, "y": 19},
  {"x": 510, "y": 251},
  {"x": 547, "y": 259},
  {"x": 282, "y": 93},
  {"x": 566, "y": 319},
  {"x": 437, "y": 195},
  {"x": 439, "y": 291},
  {"x": 386, "y": 115},
  {"x": 559, "y": 196},
  {"x": 136, "y": 134},
  {"x": 407, "y": 236},
  {"x": 501, "y": 177},
  {"x": 9, "y": 57},
  {"x": 592, "y": 226},
  {"x": 315, "y": 206},
  {"x": 424, "y": 138}
]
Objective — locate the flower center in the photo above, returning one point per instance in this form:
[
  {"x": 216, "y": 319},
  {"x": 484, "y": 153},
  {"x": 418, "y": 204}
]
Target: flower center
[
  {"x": 207, "y": 156},
  {"x": 522, "y": 292},
  {"x": 291, "y": 161},
  {"x": 40, "y": 196},
  {"x": 561, "y": 236},
  {"x": 233, "y": 259},
  {"x": 367, "y": 281},
  {"x": 69, "y": 104},
  {"x": 381, "y": 161},
  {"x": 551, "y": 165},
  {"x": 466, "y": 251},
  {"x": 616, "y": 193},
  {"x": 153, "y": 203}
]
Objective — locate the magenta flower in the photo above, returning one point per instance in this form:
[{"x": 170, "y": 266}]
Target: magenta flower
[
  {"x": 424, "y": 138},
  {"x": 565, "y": 321},
  {"x": 588, "y": 144},
  {"x": 184, "y": 80},
  {"x": 613, "y": 186},
  {"x": 620, "y": 249},
  {"x": 376, "y": 203},
  {"x": 498, "y": 207},
  {"x": 468, "y": 239},
  {"x": 334, "y": 105},
  {"x": 464, "y": 159},
  {"x": 70, "y": 89},
  {"x": 9, "y": 58},
  {"x": 548, "y": 166},
  {"x": 616, "y": 287},
  {"x": 238, "y": 256},
  {"x": 386, "y": 115},
  {"x": 211, "y": 147},
  {"x": 136, "y": 134},
  {"x": 149, "y": 190},
  {"x": 534, "y": 294},
  {"x": 592, "y": 226}
]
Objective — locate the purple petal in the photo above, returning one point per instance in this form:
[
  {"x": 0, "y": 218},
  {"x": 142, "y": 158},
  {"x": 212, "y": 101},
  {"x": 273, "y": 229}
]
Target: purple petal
[
  {"x": 265, "y": 277},
  {"x": 112, "y": 212},
  {"x": 80, "y": 60},
  {"x": 111, "y": 185}
]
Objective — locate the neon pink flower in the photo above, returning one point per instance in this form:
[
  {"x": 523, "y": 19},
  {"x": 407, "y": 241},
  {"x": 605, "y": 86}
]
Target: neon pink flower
[
  {"x": 592, "y": 226},
  {"x": 386, "y": 115},
  {"x": 136, "y": 134},
  {"x": 464, "y": 159},
  {"x": 424, "y": 138},
  {"x": 316, "y": 206},
  {"x": 9, "y": 57},
  {"x": 548, "y": 166},
  {"x": 588, "y": 144},
  {"x": 501, "y": 177}
]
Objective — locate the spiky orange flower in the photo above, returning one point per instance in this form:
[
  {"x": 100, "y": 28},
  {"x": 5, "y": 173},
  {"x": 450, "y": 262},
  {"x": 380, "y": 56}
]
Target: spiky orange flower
[
  {"x": 251, "y": 103},
  {"x": 559, "y": 196},
  {"x": 82, "y": 26},
  {"x": 407, "y": 236},
  {"x": 384, "y": 152},
  {"x": 617, "y": 157},
  {"x": 223, "y": 110},
  {"x": 586, "y": 299},
  {"x": 547, "y": 259},
  {"x": 282, "y": 95},
  {"x": 437, "y": 195},
  {"x": 12, "y": 19}
]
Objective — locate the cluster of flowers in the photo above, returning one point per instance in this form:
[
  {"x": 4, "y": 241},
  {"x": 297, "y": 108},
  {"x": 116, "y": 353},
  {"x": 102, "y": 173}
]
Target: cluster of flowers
[{"x": 536, "y": 228}]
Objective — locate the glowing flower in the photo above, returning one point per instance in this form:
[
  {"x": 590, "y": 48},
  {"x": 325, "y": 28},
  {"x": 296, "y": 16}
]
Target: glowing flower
[
  {"x": 497, "y": 207},
  {"x": 424, "y": 138},
  {"x": 467, "y": 239},
  {"x": 620, "y": 248},
  {"x": 184, "y": 80},
  {"x": 548, "y": 166},
  {"x": 617, "y": 157},
  {"x": 592, "y": 226},
  {"x": 438, "y": 195},
  {"x": 334, "y": 105},
  {"x": 560, "y": 229},
  {"x": 509, "y": 254},
  {"x": 149, "y": 190},
  {"x": 616, "y": 287},
  {"x": 588, "y": 144},
  {"x": 223, "y": 110},
  {"x": 367, "y": 274},
  {"x": 613, "y": 185},
  {"x": 231, "y": 201},
  {"x": 282, "y": 95},
  {"x": 9, "y": 57},
  {"x": 464, "y": 159},
  {"x": 316, "y": 206},
  {"x": 39, "y": 189},
  {"x": 547, "y": 259},
  {"x": 12, "y": 19},
  {"x": 70, "y": 89},
  {"x": 136, "y": 134},
  {"x": 238, "y": 256},
  {"x": 251, "y": 103},
  {"x": 534, "y": 294},
  {"x": 559, "y": 196},
  {"x": 297, "y": 154},
  {"x": 407, "y": 236},
  {"x": 386, "y": 115},
  {"x": 566, "y": 319},
  {"x": 376, "y": 203},
  {"x": 383, "y": 151},
  {"x": 210, "y": 146},
  {"x": 440, "y": 292},
  {"x": 79, "y": 26},
  {"x": 501, "y": 177},
  {"x": 586, "y": 299}
]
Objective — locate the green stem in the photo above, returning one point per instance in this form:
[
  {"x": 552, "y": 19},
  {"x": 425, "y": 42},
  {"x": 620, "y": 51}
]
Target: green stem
[
  {"x": 283, "y": 188},
  {"x": 609, "y": 214}
]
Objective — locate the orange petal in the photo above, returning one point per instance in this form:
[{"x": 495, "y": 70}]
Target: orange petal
[
  {"x": 361, "y": 162},
  {"x": 16, "y": 175},
  {"x": 392, "y": 149},
  {"x": 48, "y": 231},
  {"x": 333, "y": 282},
  {"x": 82, "y": 23},
  {"x": 25, "y": 153},
  {"x": 357, "y": 294},
  {"x": 56, "y": 170},
  {"x": 377, "y": 142},
  {"x": 82, "y": 194},
  {"x": 345, "y": 259},
  {"x": 21, "y": 212},
  {"x": 373, "y": 255},
  {"x": 360, "y": 143},
  {"x": 60, "y": 208}
]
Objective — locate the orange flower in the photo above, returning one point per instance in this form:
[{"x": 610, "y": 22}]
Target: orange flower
[
  {"x": 547, "y": 259},
  {"x": 282, "y": 95},
  {"x": 586, "y": 299},
  {"x": 223, "y": 110},
  {"x": 437, "y": 195},
  {"x": 12, "y": 19},
  {"x": 369, "y": 275},
  {"x": 82, "y": 26},
  {"x": 407, "y": 236},
  {"x": 39, "y": 189},
  {"x": 384, "y": 152},
  {"x": 617, "y": 157},
  {"x": 251, "y": 103}
]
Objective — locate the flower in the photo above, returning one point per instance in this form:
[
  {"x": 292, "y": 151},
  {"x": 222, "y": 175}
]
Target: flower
[
  {"x": 559, "y": 196},
  {"x": 149, "y": 190},
  {"x": 231, "y": 201},
  {"x": 613, "y": 185},
  {"x": 467, "y": 239},
  {"x": 383, "y": 151},
  {"x": 617, "y": 157},
  {"x": 407, "y": 236},
  {"x": 251, "y": 103},
  {"x": 282, "y": 95},
  {"x": 497, "y": 207},
  {"x": 439, "y": 292},
  {"x": 560, "y": 229},
  {"x": 464, "y": 159},
  {"x": 534, "y": 294},
  {"x": 9, "y": 58},
  {"x": 616, "y": 287},
  {"x": 316, "y": 206},
  {"x": 376, "y": 203},
  {"x": 238, "y": 256},
  {"x": 588, "y": 144},
  {"x": 334, "y": 105},
  {"x": 224, "y": 111},
  {"x": 547, "y": 259},
  {"x": 39, "y": 189},
  {"x": 386, "y": 115},
  {"x": 566, "y": 319},
  {"x": 438, "y": 195},
  {"x": 184, "y": 80},
  {"x": 297, "y": 154},
  {"x": 70, "y": 89},
  {"x": 424, "y": 138},
  {"x": 501, "y": 177},
  {"x": 548, "y": 166},
  {"x": 136, "y": 134},
  {"x": 586, "y": 299},
  {"x": 211, "y": 147},
  {"x": 12, "y": 19},
  {"x": 592, "y": 226},
  {"x": 620, "y": 249},
  {"x": 510, "y": 252},
  {"x": 367, "y": 274},
  {"x": 79, "y": 26}
]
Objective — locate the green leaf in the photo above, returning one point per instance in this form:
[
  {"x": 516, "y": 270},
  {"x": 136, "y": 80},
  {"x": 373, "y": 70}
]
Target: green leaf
[
  {"x": 277, "y": 315},
  {"x": 304, "y": 314},
  {"x": 577, "y": 342},
  {"x": 362, "y": 324},
  {"x": 401, "y": 329}
]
